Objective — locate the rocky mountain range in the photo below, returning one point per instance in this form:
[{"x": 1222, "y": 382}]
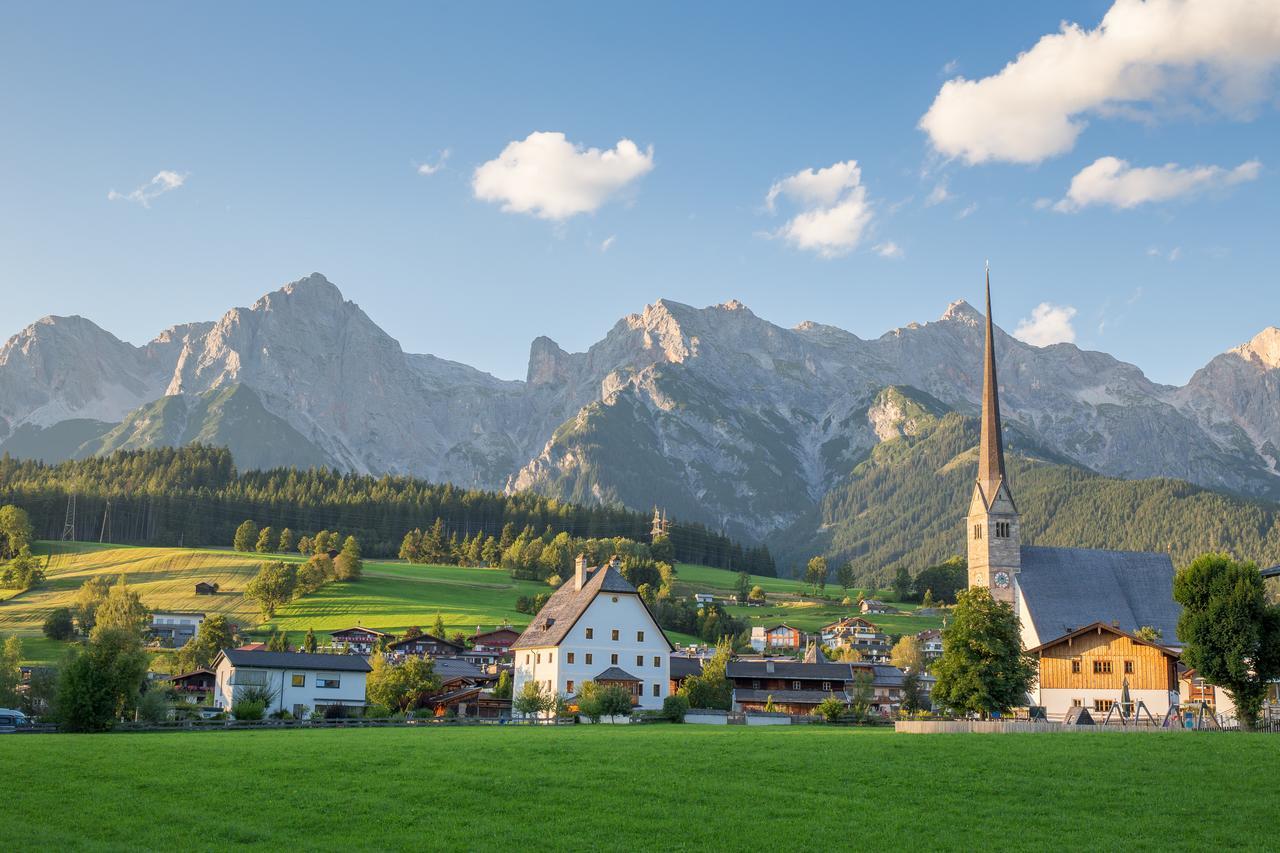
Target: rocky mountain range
[{"x": 714, "y": 413}]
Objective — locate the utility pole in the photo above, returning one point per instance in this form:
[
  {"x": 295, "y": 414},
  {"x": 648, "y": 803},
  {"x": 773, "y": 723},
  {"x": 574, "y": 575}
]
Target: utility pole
[
  {"x": 69, "y": 523},
  {"x": 106, "y": 512}
]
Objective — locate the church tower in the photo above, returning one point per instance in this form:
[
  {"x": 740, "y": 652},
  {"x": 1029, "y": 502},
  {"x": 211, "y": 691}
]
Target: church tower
[{"x": 995, "y": 542}]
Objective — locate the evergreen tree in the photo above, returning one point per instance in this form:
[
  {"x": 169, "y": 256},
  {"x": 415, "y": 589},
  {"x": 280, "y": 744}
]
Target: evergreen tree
[
  {"x": 348, "y": 566},
  {"x": 266, "y": 543},
  {"x": 309, "y": 641},
  {"x": 286, "y": 541},
  {"x": 438, "y": 629},
  {"x": 743, "y": 589}
]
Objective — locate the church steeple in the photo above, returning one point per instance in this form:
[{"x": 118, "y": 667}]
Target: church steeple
[
  {"x": 995, "y": 549},
  {"x": 991, "y": 445}
]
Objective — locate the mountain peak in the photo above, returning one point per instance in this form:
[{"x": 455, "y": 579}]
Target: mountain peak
[
  {"x": 962, "y": 311},
  {"x": 313, "y": 286},
  {"x": 1263, "y": 348}
]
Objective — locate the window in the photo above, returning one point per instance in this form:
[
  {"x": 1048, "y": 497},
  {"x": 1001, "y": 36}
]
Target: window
[
  {"x": 1102, "y": 667},
  {"x": 639, "y": 660},
  {"x": 655, "y": 689},
  {"x": 568, "y": 687},
  {"x": 1128, "y": 667},
  {"x": 298, "y": 680},
  {"x": 639, "y": 636},
  {"x": 795, "y": 685},
  {"x": 615, "y": 635},
  {"x": 1075, "y": 666},
  {"x": 1103, "y": 705},
  {"x": 539, "y": 657},
  {"x": 570, "y": 654},
  {"x": 590, "y": 633},
  {"x": 551, "y": 657},
  {"x": 613, "y": 659},
  {"x": 826, "y": 685},
  {"x": 1077, "y": 703},
  {"x": 588, "y": 656},
  {"x": 977, "y": 531},
  {"x": 755, "y": 684},
  {"x": 657, "y": 661},
  {"x": 526, "y": 659},
  {"x": 1002, "y": 530},
  {"x": 328, "y": 682}
]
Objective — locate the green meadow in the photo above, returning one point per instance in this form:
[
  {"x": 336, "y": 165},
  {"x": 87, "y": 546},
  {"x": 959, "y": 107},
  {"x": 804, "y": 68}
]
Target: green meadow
[
  {"x": 652, "y": 787},
  {"x": 391, "y": 596}
]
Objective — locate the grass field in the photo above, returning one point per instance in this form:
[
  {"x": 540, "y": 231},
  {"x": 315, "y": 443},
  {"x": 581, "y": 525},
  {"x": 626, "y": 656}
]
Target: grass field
[
  {"x": 640, "y": 788},
  {"x": 392, "y": 595}
]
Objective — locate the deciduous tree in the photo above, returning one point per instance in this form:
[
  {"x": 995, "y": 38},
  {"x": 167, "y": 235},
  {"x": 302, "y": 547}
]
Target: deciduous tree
[
  {"x": 983, "y": 668},
  {"x": 272, "y": 587},
  {"x": 246, "y": 536}
]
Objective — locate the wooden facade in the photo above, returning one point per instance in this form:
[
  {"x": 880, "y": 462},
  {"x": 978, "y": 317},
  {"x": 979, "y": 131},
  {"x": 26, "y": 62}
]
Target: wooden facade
[{"x": 1101, "y": 657}]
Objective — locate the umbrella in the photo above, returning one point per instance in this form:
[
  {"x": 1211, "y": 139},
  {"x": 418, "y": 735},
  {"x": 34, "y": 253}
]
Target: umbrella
[{"x": 1125, "y": 701}]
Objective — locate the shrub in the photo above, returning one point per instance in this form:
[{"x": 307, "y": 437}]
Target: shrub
[
  {"x": 830, "y": 709},
  {"x": 280, "y": 714},
  {"x": 248, "y": 710},
  {"x": 674, "y": 707},
  {"x": 58, "y": 625},
  {"x": 153, "y": 707},
  {"x": 377, "y": 712},
  {"x": 335, "y": 712}
]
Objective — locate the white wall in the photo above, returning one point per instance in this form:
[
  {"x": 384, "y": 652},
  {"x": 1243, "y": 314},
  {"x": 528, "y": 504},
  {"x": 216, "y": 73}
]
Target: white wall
[
  {"x": 1058, "y": 700},
  {"x": 351, "y": 689},
  {"x": 628, "y": 615}
]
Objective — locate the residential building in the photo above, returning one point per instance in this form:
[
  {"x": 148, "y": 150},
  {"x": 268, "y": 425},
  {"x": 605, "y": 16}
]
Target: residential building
[
  {"x": 876, "y": 607},
  {"x": 359, "y": 640},
  {"x": 681, "y": 668},
  {"x": 195, "y": 686},
  {"x": 930, "y": 644},
  {"x": 172, "y": 628},
  {"x": 498, "y": 640},
  {"x": 1091, "y": 667},
  {"x": 1192, "y": 690},
  {"x": 886, "y": 686},
  {"x": 595, "y": 627},
  {"x": 854, "y": 632},
  {"x": 425, "y": 644},
  {"x": 298, "y": 682},
  {"x": 781, "y": 636},
  {"x": 794, "y": 687},
  {"x": 704, "y": 598}
]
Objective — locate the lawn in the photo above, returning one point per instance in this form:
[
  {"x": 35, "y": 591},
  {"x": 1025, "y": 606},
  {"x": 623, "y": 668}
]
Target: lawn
[{"x": 640, "y": 788}]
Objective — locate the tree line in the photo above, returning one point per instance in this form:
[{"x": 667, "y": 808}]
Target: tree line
[{"x": 194, "y": 495}]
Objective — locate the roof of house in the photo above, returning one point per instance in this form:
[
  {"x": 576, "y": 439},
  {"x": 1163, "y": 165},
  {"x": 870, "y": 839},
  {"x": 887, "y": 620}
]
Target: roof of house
[
  {"x": 359, "y": 628},
  {"x": 423, "y": 638},
  {"x": 929, "y": 634},
  {"x": 746, "y": 668},
  {"x": 683, "y": 667},
  {"x": 1067, "y": 588},
  {"x": 813, "y": 654},
  {"x": 185, "y": 675},
  {"x": 505, "y": 629},
  {"x": 1100, "y": 627},
  {"x": 176, "y": 613},
  {"x": 615, "y": 673},
  {"x": 875, "y": 602},
  {"x": 450, "y": 668},
  {"x": 787, "y": 697},
  {"x": 884, "y": 675},
  {"x": 294, "y": 660},
  {"x": 567, "y": 604}
]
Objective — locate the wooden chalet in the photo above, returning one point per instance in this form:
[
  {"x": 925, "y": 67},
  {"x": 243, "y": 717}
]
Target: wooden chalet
[
  {"x": 1090, "y": 667},
  {"x": 359, "y": 640},
  {"x": 781, "y": 636},
  {"x": 793, "y": 687},
  {"x": 195, "y": 686},
  {"x": 682, "y": 667},
  {"x": 498, "y": 640},
  {"x": 856, "y": 633},
  {"x": 426, "y": 644}
]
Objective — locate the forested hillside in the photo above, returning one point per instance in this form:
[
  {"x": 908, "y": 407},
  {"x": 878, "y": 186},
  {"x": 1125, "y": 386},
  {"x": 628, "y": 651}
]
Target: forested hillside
[
  {"x": 195, "y": 496},
  {"x": 905, "y": 505}
]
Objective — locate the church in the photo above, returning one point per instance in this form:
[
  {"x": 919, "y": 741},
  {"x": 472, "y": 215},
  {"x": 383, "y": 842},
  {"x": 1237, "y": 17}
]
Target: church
[{"x": 1054, "y": 591}]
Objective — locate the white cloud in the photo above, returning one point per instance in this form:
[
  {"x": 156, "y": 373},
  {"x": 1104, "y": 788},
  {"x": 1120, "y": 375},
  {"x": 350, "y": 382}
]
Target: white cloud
[
  {"x": 836, "y": 211},
  {"x": 1048, "y": 324},
  {"x": 938, "y": 195},
  {"x": 550, "y": 177},
  {"x": 1109, "y": 180},
  {"x": 164, "y": 181},
  {"x": 951, "y": 67},
  {"x": 608, "y": 242},
  {"x": 428, "y": 169},
  {"x": 889, "y": 249},
  {"x": 968, "y": 211},
  {"x": 1161, "y": 54}
]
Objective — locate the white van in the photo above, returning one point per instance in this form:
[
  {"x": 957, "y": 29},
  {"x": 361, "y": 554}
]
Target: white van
[{"x": 10, "y": 720}]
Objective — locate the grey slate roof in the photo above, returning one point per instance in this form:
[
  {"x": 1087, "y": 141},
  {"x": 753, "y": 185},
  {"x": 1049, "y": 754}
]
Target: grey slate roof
[
  {"x": 1068, "y": 588},
  {"x": 450, "y": 668},
  {"x": 683, "y": 667},
  {"x": 886, "y": 676},
  {"x": 567, "y": 605},
  {"x": 296, "y": 660},
  {"x": 789, "y": 669},
  {"x": 615, "y": 673}
]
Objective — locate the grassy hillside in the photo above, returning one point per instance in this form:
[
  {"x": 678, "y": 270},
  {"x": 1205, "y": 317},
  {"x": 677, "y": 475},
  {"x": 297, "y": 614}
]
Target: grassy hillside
[
  {"x": 652, "y": 787},
  {"x": 390, "y": 597}
]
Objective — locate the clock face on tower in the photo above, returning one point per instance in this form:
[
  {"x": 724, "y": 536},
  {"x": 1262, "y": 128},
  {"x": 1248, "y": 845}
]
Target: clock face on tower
[
  {"x": 1002, "y": 579},
  {"x": 979, "y": 579}
]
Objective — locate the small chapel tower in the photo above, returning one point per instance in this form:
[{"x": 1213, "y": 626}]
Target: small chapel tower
[{"x": 995, "y": 542}]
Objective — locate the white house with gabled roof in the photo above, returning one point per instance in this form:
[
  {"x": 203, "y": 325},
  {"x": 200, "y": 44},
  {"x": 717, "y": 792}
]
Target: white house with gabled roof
[{"x": 595, "y": 627}]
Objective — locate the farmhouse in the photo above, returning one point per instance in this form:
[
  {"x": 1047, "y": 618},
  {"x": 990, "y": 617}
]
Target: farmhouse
[
  {"x": 1054, "y": 591},
  {"x": 595, "y": 627},
  {"x": 795, "y": 687},
  {"x": 1092, "y": 667},
  {"x": 781, "y": 636},
  {"x": 876, "y": 607},
  {"x": 298, "y": 682},
  {"x": 174, "y": 627},
  {"x": 425, "y": 644},
  {"x": 359, "y": 640}
]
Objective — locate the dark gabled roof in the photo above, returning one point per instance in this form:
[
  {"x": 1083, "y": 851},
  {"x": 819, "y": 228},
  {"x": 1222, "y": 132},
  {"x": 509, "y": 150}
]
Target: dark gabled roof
[
  {"x": 884, "y": 675},
  {"x": 1102, "y": 626},
  {"x": 614, "y": 673},
  {"x": 359, "y": 628},
  {"x": 294, "y": 660},
  {"x": 424, "y": 638},
  {"x": 683, "y": 667},
  {"x": 1067, "y": 588},
  {"x": 780, "y": 625},
  {"x": 788, "y": 697},
  {"x": 450, "y": 668},
  {"x": 788, "y": 669},
  {"x": 566, "y": 606},
  {"x": 203, "y": 671}
]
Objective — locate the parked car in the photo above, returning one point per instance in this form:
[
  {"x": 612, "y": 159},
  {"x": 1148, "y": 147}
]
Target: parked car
[{"x": 10, "y": 720}]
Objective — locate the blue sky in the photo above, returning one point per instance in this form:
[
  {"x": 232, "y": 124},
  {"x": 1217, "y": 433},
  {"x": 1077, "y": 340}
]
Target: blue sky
[{"x": 289, "y": 140}]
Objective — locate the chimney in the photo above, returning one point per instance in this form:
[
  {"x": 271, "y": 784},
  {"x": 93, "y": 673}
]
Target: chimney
[{"x": 579, "y": 571}]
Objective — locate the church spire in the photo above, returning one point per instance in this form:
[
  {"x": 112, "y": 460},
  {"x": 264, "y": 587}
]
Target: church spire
[{"x": 991, "y": 446}]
